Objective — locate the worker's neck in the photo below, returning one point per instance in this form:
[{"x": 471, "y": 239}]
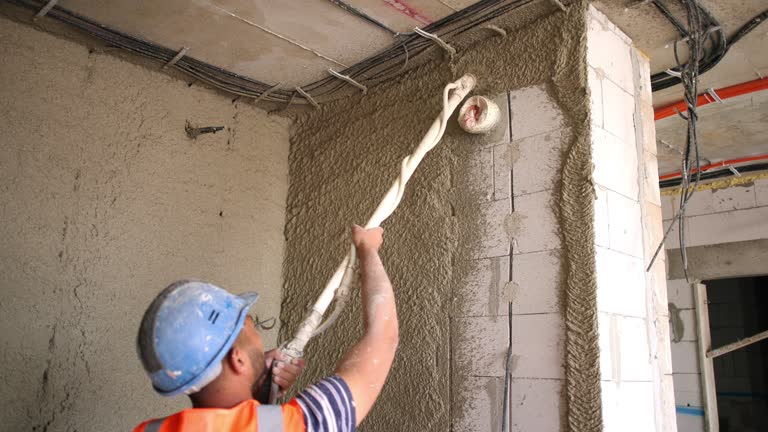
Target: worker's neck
[{"x": 219, "y": 394}]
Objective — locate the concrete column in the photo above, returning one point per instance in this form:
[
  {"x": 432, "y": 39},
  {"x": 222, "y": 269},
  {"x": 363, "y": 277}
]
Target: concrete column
[{"x": 633, "y": 319}]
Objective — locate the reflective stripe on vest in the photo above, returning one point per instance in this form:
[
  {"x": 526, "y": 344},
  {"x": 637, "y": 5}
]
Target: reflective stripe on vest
[
  {"x": 270, "y": 418},
  {"x": 154, "y": 425}
]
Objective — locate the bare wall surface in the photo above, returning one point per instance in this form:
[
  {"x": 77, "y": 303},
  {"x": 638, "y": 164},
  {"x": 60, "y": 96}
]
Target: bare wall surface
[
  {"x": 344, "y": 157},
  {"x": 105, "y": 200}
]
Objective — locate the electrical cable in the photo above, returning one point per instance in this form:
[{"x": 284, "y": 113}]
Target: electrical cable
[
  {"x": 716, "y": 174},
  {"x": 691, "y": 161},
  {"x": 375, "y": 69},
  {"x": 720, "y": 45}
]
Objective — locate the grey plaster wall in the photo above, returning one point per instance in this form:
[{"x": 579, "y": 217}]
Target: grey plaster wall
[{"x": 103, "y": 201}]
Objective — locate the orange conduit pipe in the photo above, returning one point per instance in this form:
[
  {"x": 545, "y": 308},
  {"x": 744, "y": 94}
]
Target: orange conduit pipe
[
  {"x": 706, "y": 99},
  {"x": 724, "y": 163}
]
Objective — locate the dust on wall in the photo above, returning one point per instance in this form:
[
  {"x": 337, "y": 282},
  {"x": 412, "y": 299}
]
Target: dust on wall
[
  {"x": 344, "y": 157},
  {"x": 105, "y": 200}
]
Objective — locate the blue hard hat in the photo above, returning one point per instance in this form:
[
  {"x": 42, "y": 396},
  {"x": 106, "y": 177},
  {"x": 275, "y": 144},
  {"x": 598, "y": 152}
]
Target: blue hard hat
[{"x": 187, "y": 331}]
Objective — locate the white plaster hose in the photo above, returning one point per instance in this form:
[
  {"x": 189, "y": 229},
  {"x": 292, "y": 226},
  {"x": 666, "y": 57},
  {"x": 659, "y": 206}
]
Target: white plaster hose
[
  {"x": 479, "y": 115},
  {"x": 341, "y": 280}
]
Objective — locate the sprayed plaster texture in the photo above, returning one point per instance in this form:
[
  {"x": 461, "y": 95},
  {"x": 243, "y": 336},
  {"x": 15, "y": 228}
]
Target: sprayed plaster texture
[
  {"x": 344, "y": 156},
  {"x": 105, "y": 200}
]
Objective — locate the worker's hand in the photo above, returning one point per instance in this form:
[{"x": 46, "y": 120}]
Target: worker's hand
[
  {"x": 367, "y": 240},
  {"x": 285, "y": 372}
]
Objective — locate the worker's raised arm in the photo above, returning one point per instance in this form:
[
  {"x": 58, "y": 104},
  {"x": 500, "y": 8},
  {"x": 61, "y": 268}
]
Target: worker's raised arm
[{"x": 365, "y": 367}]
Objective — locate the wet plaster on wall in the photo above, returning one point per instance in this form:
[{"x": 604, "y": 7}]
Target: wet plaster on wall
[
  {"x": 344, "y": 157},
  {"x": 104, "y": 200}
]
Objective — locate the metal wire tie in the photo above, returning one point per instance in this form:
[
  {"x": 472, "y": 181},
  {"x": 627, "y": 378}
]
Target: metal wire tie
[{"x": 436, "y": 39}]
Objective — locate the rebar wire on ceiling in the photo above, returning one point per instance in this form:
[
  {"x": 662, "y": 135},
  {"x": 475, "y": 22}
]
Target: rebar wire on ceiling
[
  {"x": 375, "y": 69},
  {"x": 715, "y": 44}
]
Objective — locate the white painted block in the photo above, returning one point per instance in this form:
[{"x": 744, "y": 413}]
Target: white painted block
[
  {"x": 680, "y": 293},
  {"x": 536, "y": 405},
  {"x": 625, "y": 225},
  {"x": 480, "y": 174},
  {"x": 635, "y": 358},
  {"x": 494, "y": 240},
  {"x": 504, "y": 156},
  {"x": 533, "y": 112},
  {"x": 602, "y": 226},
  {"x": 533, "y": 225},
  {"x": 618, "y": 113},
  {"x": 537, "y": 162},
  {"x": 615, "y": 164},
  {"x": 484, "y": 290},
  {"x": 536, "y": 282},
  {"x": 688, "y": 389},
  {"x": 761, "y": 192},
  {"x": 595, "y": 84},
  {"x": 650, "y": 171},
  {"x": 732, "y": 226},
  {"x": 538, "y": 346},
  {"x": 476, "y": 404},
  {"x": 685, "y": 358},
  {"x": 608, "y": 52},
  {"x": 628, "y": 406},
  {"x": 620, "y": 283},
  {"x": 721, "y": 200},
  {"x": 479, "y": 345}
]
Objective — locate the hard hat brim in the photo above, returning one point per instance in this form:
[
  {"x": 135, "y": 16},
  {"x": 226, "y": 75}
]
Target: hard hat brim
[{"x": 249, "y": 299}]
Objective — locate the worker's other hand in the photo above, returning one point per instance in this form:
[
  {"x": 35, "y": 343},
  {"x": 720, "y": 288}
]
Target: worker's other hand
[
  {"x": 367, "y": 240},
  {"x": 285, "y": 372}
]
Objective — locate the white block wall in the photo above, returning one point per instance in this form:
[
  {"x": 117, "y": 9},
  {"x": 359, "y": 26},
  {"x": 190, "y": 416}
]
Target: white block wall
[
  {"x": 635, "y": 359},
  {"x": 721, "y": 216},
  {"x": 515, "y": 176}
]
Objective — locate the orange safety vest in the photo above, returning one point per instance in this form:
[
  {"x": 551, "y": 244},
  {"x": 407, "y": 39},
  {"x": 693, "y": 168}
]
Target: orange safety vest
[{"x": 248, "y": 416}]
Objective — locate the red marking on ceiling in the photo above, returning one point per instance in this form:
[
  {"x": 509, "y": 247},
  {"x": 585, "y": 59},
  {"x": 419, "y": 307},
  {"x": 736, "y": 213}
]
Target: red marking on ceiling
[{"x": 408, "y": 11}]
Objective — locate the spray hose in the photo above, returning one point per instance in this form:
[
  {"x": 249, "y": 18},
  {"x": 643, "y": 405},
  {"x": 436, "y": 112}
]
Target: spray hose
[{"x": 338, "y": 287}]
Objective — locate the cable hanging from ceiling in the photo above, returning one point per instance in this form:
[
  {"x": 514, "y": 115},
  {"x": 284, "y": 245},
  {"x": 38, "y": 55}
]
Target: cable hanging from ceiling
[
  {"x": 375, "y": 69},
  {"x": 715, "y": 46}
]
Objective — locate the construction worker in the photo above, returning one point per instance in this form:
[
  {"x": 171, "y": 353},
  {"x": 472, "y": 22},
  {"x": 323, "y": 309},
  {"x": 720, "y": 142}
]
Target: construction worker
[{"x": 198, "y": 339}]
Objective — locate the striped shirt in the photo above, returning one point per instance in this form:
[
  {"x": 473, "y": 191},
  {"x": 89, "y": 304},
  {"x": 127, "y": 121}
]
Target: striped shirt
[{"x": 328, "y": 406}]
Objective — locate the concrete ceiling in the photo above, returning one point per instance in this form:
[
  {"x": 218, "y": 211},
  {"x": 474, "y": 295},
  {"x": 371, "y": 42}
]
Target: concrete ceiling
[
  {"x": 294, "y": 42},
  {"x": 736, "y": 128}
]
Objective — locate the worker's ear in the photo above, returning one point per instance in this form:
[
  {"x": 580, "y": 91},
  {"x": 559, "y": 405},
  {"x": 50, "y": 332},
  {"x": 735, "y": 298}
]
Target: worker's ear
[{"x": 238, "y": 360}]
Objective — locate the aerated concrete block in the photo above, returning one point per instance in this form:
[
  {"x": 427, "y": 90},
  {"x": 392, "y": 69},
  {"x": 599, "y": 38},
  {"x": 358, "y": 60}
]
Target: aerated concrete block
[
  {"x": 476, "y": 404},
  {"x": 533, "y": 225},
  {"x": 685, "y": 357},
  {"x": 484, "y": 291},
  {"x": 721, "y": 200},
  {"x": 479, "y": 345},
  {"x": 537, "y": 161},
  {"x": 625, "y": 225},
  {"x": 533, "y": 112},
  {"x": 538, "y": 343},
  {"x": 536, "y": 286},
  {"x": 628, "y": 406},
  {"x": 536, "y": 405},
  {"x": 494, "y": 229},
  {"x": 608, "y": 51},
  {"x": 602, "y": 225},
  {"x": 615, "y": 163},
  {"x": 618, "y": 119},
  {"x": 620, "y": 283},
  {"x": 761, "y": 192},
  {"x": 595, "y": 84}
]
